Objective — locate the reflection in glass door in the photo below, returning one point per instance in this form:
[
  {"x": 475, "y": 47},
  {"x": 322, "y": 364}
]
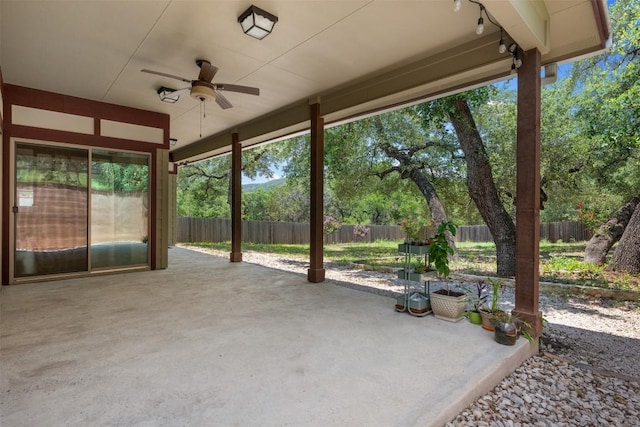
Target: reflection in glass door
[
  {"x": 119, "y": 209},
  {"x": 50, "y": 210}
]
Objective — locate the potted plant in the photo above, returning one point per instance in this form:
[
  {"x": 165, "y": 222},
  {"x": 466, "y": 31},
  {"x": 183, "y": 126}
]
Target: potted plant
[
  {"x": 445, "y": 303},
  {"x": 411, "y": 230},
  {"x": 477, "y": 300},
  {"x": 488, "y": 312},
  {"x": 420, "y": 270},
  {"x": 508, "y": 328},
  {"x": 419, "y": 304}
]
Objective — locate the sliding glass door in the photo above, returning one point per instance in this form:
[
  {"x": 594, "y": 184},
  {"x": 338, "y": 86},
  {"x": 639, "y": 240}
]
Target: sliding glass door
[
  {"x": 77, "y": 210},
  {"x": 119, "y": 209},
  {"x": 50, "y": 210}
]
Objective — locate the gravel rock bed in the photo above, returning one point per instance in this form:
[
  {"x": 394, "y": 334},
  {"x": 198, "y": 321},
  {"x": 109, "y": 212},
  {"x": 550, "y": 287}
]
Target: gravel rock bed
[{"x": 586, "y": 374}]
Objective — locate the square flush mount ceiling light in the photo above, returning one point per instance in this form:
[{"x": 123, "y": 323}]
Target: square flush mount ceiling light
[
  {"x": 166, "y": 95},
  {"x": 256, "y": 22}
]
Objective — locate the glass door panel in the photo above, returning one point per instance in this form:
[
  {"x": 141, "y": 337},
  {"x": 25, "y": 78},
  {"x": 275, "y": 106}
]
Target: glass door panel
[
  {"x": 50, "y": 210},
  {"x": 119, "y": 209}
]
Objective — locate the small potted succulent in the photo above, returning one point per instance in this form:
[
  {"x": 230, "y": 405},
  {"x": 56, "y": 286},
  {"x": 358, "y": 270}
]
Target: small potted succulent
[{"x": 477, "y": 300}]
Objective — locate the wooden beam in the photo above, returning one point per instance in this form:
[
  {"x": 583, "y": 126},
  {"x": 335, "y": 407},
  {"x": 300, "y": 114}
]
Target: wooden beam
[
  {"x": 316, "y": 271},
  {"x": 236, "y": 199},
  {"x": 528, "y": 192}
]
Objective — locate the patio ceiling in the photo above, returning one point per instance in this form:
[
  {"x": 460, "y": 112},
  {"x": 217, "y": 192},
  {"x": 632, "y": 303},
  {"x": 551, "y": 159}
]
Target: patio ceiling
[{"x": 356, "y": 56}]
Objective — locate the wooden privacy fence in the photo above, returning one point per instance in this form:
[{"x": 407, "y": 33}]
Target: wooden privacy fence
[
  {"x": 219, "y": 230},
  {"x": 565, "y": 231}
]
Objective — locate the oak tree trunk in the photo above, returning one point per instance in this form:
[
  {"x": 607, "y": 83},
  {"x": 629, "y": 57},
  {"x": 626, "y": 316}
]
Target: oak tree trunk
[
  {"x": 482, "y": 188},
  {"x": 610, "y": 232},
  {"x": 438, "y": 214},
  {"x": 627, "y": 254}
]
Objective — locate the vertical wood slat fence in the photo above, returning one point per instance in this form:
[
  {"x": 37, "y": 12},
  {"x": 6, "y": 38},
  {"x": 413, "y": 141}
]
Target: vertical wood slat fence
[
  {"x": 267, "y": 232},
  {"x": 219, "y": 230}
]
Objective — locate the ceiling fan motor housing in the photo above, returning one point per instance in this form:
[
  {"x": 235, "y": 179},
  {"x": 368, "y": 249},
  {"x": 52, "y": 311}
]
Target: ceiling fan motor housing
[{"x": 202, "y": 91}]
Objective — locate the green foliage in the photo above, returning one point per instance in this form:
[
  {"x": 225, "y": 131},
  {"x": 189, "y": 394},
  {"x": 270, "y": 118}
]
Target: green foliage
[
  {"x": 590, "y": 135},
  {"x": 496, "y": 290},
  {"x": 439, "y": 250},
  {"x": 119, "y": 177},
  {"x": 479, "y": 296},
  {"x": 563, "y": 269},
  {"x": 607, "y": 108},
  {"x": 594, "y": 212},
  {"x": 255, "y": 204}
]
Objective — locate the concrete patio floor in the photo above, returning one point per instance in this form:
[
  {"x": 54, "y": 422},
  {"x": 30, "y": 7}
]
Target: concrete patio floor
[{"x": 212, "y": 343}]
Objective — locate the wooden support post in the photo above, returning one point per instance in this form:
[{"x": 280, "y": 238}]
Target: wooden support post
[
  {"x": 236, "y": 198},
  {"x": 316, "y": 271},
  {"x": 528, "y": 193}
]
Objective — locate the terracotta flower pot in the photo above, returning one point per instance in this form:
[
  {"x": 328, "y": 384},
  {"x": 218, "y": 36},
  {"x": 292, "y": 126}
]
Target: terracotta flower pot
[{"x": 487, "y": 320}]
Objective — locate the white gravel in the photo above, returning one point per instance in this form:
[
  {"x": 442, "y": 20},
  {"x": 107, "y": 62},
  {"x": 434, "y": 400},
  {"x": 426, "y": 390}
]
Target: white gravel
[{"x": 586, "y": 374}]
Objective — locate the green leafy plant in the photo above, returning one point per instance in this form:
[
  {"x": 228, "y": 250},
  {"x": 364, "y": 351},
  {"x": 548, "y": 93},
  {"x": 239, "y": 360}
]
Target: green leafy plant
[
  {"x": 593, "y": 212},
  {"x": 439, "y": 250},
  {"x": 496, "y": 291},
  {"x": 478, "y": 298},
  {"x": 411, "y": 229},
  {"x": 509, "y": 322}
]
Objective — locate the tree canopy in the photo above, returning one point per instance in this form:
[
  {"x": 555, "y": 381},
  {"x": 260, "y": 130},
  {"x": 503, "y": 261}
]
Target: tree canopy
[{"x": 386, "y": 168}]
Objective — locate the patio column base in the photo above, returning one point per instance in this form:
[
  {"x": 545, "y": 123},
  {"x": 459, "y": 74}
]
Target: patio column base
[
  {"x": 235, "y": 257},
  {"x": 315, "y": 275},
  {"x": 533, "y": 319}
]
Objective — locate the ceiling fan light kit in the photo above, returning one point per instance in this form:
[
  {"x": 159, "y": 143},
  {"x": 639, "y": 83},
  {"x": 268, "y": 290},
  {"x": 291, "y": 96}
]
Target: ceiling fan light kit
[
  {"x": 166, "y": 95},
  {"x": 256, "y": 22},
  {"x": 202, "y": 92}
]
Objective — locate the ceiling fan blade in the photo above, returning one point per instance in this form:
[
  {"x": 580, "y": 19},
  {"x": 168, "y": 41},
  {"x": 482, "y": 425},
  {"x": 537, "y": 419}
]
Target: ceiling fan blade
[
  {"x": 171, "y": 76},
  {"x": 237, "y": 88},
  {"x": 222, "y": 101},
  {"x": 207, "y": 71}
]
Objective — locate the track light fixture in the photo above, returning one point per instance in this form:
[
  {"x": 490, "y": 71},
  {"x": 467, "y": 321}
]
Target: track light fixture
[{"x": 457, "y": 5}]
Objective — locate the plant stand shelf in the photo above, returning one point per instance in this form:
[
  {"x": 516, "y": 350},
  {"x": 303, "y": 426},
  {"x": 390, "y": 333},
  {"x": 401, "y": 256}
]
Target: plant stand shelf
[{"x": 415, "y": 297}]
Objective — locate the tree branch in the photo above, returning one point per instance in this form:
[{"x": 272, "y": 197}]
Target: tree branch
[{"x": 384, "y": 173}]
